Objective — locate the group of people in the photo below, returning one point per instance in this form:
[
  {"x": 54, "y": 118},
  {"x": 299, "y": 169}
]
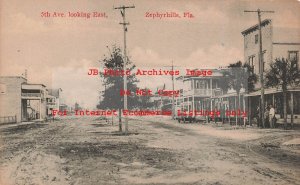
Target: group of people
[{"x": 269, "y": 116}]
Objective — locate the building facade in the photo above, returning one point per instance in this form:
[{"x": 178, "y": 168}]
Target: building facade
[
  {"x": 197, "y": 92},
  {"x": 53, "y": 100},
  {"x": 24, "y": 101},
  {"x": 251, "y": 45},
  {"x": 271, "y": 49},
  {"x": 10, "y": 97}
]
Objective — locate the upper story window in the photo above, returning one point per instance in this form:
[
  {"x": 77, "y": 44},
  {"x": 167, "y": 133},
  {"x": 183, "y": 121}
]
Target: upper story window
[
  {"x": 263, "y": 57},
  {"x": 2, "y": 88},
  {"x": 251, "y": 62},
  {"x": 197, "y": 84},
  {"x": 256, "y": 38},
  {"x": 293, "y": 56}
]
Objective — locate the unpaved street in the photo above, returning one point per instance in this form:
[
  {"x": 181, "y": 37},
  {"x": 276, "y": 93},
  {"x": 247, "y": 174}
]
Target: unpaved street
[{"x": 88, "y": 151}]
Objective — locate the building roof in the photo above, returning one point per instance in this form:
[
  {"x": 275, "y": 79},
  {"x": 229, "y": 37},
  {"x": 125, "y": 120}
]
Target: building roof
[
  {"x": 286, "y": 43},
  {"x": 21, "y": 77},
  {"x": 216, "y": 73},
  {"x": 26, "y": 86},
  {"x": 255, "y": 27},
  {"x": 273, "y": 90},
  {"x": 35, "y": 84},
  {"x": 54, "y": 92}
]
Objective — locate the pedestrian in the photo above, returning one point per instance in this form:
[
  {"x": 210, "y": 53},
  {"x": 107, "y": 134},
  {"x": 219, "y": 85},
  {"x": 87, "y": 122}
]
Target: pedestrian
[
  {"x": 272, "y": 116},
  {"x": 266, "y": 116},
  {"x": 257, "y": 116},
  {"x": 215, "y": 115}
]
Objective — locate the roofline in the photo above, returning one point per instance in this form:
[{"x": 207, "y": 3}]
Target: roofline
[
  {"x": 35, "y": 84},
  {"x": 286, "y": 43},
  {"x": 13, "y": 77},
  {"x": 255, "y": 27},
  {"x": 55, "y": 89},
  {"x": 204, "y": 77}
]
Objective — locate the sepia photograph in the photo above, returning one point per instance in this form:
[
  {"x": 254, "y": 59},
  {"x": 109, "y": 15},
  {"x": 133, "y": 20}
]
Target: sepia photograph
[{"x": 162, "y": 92}]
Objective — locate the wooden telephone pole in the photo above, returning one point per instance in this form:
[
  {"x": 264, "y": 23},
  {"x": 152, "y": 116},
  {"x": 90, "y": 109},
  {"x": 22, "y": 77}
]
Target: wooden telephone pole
[
  {"x": 124, "y": 23},
  {"x": 261, "y": 66},
  {"x": 173, "y": 98}
]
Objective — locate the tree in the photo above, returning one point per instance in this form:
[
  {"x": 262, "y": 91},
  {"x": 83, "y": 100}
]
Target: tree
[
  {"x": 252, "y": 78},
  {"x": 283, "y": 73},
  {"x": 112, "y": 97},
  {"x": 239, "y": 76},
  {"x": 144, "y": 100}
]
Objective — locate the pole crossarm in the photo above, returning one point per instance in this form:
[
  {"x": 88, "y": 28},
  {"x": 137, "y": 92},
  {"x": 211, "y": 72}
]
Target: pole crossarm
[
  {"x": 124, "y": 7},
  {"x": 259, "y": 11}
]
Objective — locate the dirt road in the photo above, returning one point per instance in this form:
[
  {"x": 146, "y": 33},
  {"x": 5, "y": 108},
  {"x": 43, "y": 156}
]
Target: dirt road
[{"x": 158, "y": 151}]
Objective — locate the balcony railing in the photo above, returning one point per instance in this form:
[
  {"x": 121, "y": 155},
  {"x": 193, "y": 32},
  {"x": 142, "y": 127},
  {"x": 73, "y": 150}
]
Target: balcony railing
[
  {"x": 31, "y": 94},
  {"x": 51, "y": 103},
  {"x": 217, "y": 92},
  {"x": 204, "y": 92},
  {"x": 199, "y": 92}
]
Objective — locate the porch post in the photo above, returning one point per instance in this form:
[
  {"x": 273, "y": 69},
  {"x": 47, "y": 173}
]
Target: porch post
[
  {"x": 229, "y": 110},
  {"x": 193, "y": 105},
  {"x": 249, "y": 110},
  {"x": 188, "y": 102},
  {"x": 292, "y": 109},
  {"x": 244, "y": 110},
  {"x": 40, "y": 109},
  {"x": 211, "y": 94},
  {"x": 236, "y": 118}
]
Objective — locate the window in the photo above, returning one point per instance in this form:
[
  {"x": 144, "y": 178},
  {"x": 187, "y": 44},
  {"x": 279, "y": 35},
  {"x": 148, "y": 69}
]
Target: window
[
  {"x": 293, "y": 56},
  {"x": 251, "y": 62},
  {"x": 263, "y": 57},
  {"x": 256, "y": 38},
  {"x": 197, "y": 84},
  {"x": 202, "y": 84},
  {"x": 2, "y": 88}
]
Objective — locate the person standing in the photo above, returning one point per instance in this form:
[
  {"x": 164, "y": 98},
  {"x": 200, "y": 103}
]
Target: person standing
[
  {"x": 258, "y": 117},
  {"x": 267, "y": 116},
  {"x": 271, "y": 116}
]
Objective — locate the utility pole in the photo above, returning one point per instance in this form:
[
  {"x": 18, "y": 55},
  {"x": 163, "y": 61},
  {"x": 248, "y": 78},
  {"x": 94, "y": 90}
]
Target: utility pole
[
  {"x": 124, "y": 23},
  {"x": 261, "y": 66},
  {"x": 173, "y": 99}
]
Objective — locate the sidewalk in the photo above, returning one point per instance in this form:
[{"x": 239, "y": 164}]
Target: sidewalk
[
  {"x": 220, "y": 130},
  {"x": 3, "y": 126}
]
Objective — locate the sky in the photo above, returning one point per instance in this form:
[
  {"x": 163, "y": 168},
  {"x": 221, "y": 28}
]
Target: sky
[{"x": 58, "y": 51}]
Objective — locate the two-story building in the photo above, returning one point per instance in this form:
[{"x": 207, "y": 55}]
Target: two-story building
[
  {"x": 23, "y": 101},
  {"x": 197, "y": 92},
  {"x": 271, "y": 49},
  {"x": 54, "y": 100},
  {"x": 11, "y": 104},
  {"x": 34, "y": 102}
]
